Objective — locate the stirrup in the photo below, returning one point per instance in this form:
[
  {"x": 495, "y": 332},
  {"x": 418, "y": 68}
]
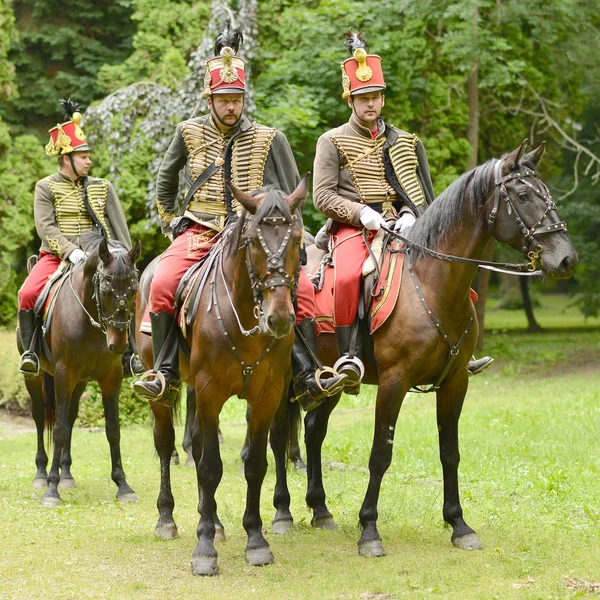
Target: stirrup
[
  {"x": 132, "y": 360},
  {"x": 142, "y": 390},
  {"x": 326, "y": 373},
  {"x": 345, "y": 360},
  {"x": 32, "y": 358}
]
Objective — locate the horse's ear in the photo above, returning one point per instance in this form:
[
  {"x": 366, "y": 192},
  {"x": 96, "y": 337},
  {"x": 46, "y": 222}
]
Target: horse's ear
[
  {"x": 535, "y": 156},
  {"x": 250, "y": 203},
  {"x": 514, "y": 158},
  {"x": 103, "y": 252},
  {"x": 135, "y": 252},
  {"x": 299, "y": 194}
]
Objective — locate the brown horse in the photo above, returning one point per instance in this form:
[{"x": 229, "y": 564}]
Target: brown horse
[
  {"x": 240, "y": 344},
  {"x": 87, "y": 338},
  {"x": 430, "y": 335}
]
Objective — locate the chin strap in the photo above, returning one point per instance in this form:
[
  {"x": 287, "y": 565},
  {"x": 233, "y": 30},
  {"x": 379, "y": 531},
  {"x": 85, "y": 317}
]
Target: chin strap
[
  {"x": 70, "y": 155},
  {"x": 216, "y": 115}
]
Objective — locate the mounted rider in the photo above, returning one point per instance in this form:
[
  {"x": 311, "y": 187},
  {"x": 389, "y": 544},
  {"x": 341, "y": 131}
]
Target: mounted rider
[
  {"x": 66, "y": 204},
  {"x": 367, "y": 173},
  {"x": 212, "y": 149}
]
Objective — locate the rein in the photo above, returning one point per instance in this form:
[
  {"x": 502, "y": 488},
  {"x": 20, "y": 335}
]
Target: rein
[{"x": 522, "y": 269}]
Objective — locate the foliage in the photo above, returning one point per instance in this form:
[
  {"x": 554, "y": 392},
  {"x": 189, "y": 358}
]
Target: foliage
[
  {"x": 60, "y": 50},
  {"x": 132, "y": 409}
]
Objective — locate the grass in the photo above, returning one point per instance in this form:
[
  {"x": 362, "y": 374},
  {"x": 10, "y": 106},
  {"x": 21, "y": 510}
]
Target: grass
[{"x": 529, "y": 485}]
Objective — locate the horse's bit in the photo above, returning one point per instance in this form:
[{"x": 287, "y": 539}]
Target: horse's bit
[{"x": 105, "y": 321}]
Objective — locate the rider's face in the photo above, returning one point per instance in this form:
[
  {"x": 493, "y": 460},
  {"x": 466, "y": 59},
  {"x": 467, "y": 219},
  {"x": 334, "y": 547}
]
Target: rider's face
[
  {"x": 229, "y": 107},
  {"x": 367, "y": 107},
  {"x": 82, "y": 161}
]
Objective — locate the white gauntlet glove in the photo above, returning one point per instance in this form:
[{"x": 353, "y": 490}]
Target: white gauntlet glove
[
  {"x": 371, "y": 219},
  {"x": 77, "y": 256},
  {"x": 404, "y": 222}
]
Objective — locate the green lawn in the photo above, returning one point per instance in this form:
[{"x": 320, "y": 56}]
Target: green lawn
[
  {"x": 529, "y": 482},
  {"x": 529, "y": 485}
]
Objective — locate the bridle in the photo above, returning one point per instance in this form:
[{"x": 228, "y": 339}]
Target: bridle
[
  {"x": 104, "y": 321},
  {"x": 522, "y": 269},
  {"x": 532, "y": 248},
  {"x": 275, "y": 275}
]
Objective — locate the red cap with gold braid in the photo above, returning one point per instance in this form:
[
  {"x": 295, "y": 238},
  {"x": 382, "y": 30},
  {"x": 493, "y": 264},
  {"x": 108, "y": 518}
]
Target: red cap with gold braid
[
  {"x": 362, "y": 73},
  {"x": 67, "y": 137},
  {"x": 225, "y": 71}
]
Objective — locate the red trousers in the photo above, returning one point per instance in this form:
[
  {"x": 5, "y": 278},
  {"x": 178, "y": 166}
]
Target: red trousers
[
  {"x": 349, "y": 255},
  {"x": 36, "y": 280},
  {"x": 186, "y": 250}
]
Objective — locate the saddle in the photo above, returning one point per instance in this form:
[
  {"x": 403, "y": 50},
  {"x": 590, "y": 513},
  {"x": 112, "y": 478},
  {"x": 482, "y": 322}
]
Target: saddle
[{"x": 381, "y": 281}]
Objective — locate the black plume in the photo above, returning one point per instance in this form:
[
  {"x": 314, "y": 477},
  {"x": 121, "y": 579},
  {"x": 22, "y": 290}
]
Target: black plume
[
  {"x": 354, "y": 41},
  {"x": 230, "y": 36},
  {"x": 69, "y": 107}
]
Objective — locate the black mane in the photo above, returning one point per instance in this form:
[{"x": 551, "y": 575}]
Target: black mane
[
  {"x": 90, "y": 242},
  {"x": 463, "y": 196},
  {"x": 274, "y": 199}
]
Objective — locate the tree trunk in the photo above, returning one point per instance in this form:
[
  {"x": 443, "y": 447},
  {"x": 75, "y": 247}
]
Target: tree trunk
[
  {"x": 532, "y": 324},
  {"x": 473, "y": 103}
]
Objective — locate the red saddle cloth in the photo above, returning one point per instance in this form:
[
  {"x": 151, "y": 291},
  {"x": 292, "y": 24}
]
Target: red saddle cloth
[{"x": 383, "y": 298}]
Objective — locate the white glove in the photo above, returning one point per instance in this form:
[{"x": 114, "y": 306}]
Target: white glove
[
  {"x": 371, "y": 219},
  {"x": 77, "y": 256},
  {"x": 404, "y": 222}
]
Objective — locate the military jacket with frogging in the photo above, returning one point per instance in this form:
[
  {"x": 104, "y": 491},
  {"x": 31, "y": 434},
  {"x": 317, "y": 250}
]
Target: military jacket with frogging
[
  {"x": 260, "y": 156},
  {"x": 352, "y": 169},
  {"x": 61, "y": 215}
]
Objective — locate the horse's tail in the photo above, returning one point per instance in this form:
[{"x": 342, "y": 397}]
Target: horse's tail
[
  {"x": 294, "y": 420},
  {"x": 50, "y": 404}
]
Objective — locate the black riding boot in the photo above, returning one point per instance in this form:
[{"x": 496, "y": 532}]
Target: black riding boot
[
  {"x": 162, "y": 384},
  {"x": 132, "y": 365},
  {"x": 476, "y": 366},
  {"x": 349, "y": 364},
  {"x": 29, "y": 364},
  {"x": 309, "y": 385}
]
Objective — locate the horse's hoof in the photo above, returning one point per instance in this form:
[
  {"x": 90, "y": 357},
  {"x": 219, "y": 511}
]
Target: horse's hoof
[
  {"x": 205, "y": 565},
  {"x": 67, "y": 482},
  {"x": 175, "y": 459},
  {"x": 323, "y": 523},
  {"x": 300, "y": 466},
  {"x": 50, "y": 501},
  {"x": 166, "y": 531},
  {"x": 39, "y": 482},
  {"x": 190, "y": 462},
  {"x": 219, "y": 534},
  {"x": 282, "y": 526},
  {"x": 259, "y": 556},
  {"x": 128, "y": 497},
  {"x": 371, "y": 548},
  {"x": 467, "y": 542}
]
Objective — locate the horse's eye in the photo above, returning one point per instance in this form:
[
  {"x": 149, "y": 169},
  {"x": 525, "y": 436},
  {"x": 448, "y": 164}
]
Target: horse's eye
[{"x": 522, "y": 195}]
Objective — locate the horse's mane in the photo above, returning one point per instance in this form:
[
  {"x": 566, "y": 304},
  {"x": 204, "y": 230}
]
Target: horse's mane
[
  {"x": 90, "y": 243},
  {"x": 461, "y": 197},
  {"x": 274, "y": 199}
]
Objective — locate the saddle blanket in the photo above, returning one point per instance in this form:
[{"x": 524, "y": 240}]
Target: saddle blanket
[{"x": 383, "y": 297}]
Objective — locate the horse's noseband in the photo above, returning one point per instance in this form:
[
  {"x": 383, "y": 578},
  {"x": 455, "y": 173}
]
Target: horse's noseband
[
  {"x": 122, "y": 298},
  {"x": 275, "y": 274},
  {"x": 532, "y": 248}
]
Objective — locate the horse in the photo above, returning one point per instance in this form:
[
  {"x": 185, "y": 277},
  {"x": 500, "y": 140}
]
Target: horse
[
  {"x": 87, "y": 338},
  {"x": 240, "y": 344},
  {"x": 430, "y": 335}
]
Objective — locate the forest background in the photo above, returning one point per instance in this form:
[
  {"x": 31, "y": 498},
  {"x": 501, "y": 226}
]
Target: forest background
[{"x": 472, "y": 78}]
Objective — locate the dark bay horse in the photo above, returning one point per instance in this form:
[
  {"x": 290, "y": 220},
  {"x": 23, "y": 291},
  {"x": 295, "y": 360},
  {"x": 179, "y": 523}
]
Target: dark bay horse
[
  {"x": 240, "y": 342},
  {"x": 504, "y": 199},
  {"x": 87, "y": 338}
]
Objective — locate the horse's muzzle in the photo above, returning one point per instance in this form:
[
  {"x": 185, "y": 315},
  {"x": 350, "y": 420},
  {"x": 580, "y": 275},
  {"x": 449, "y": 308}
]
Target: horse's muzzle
[{"x": 278, "y": 326}]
